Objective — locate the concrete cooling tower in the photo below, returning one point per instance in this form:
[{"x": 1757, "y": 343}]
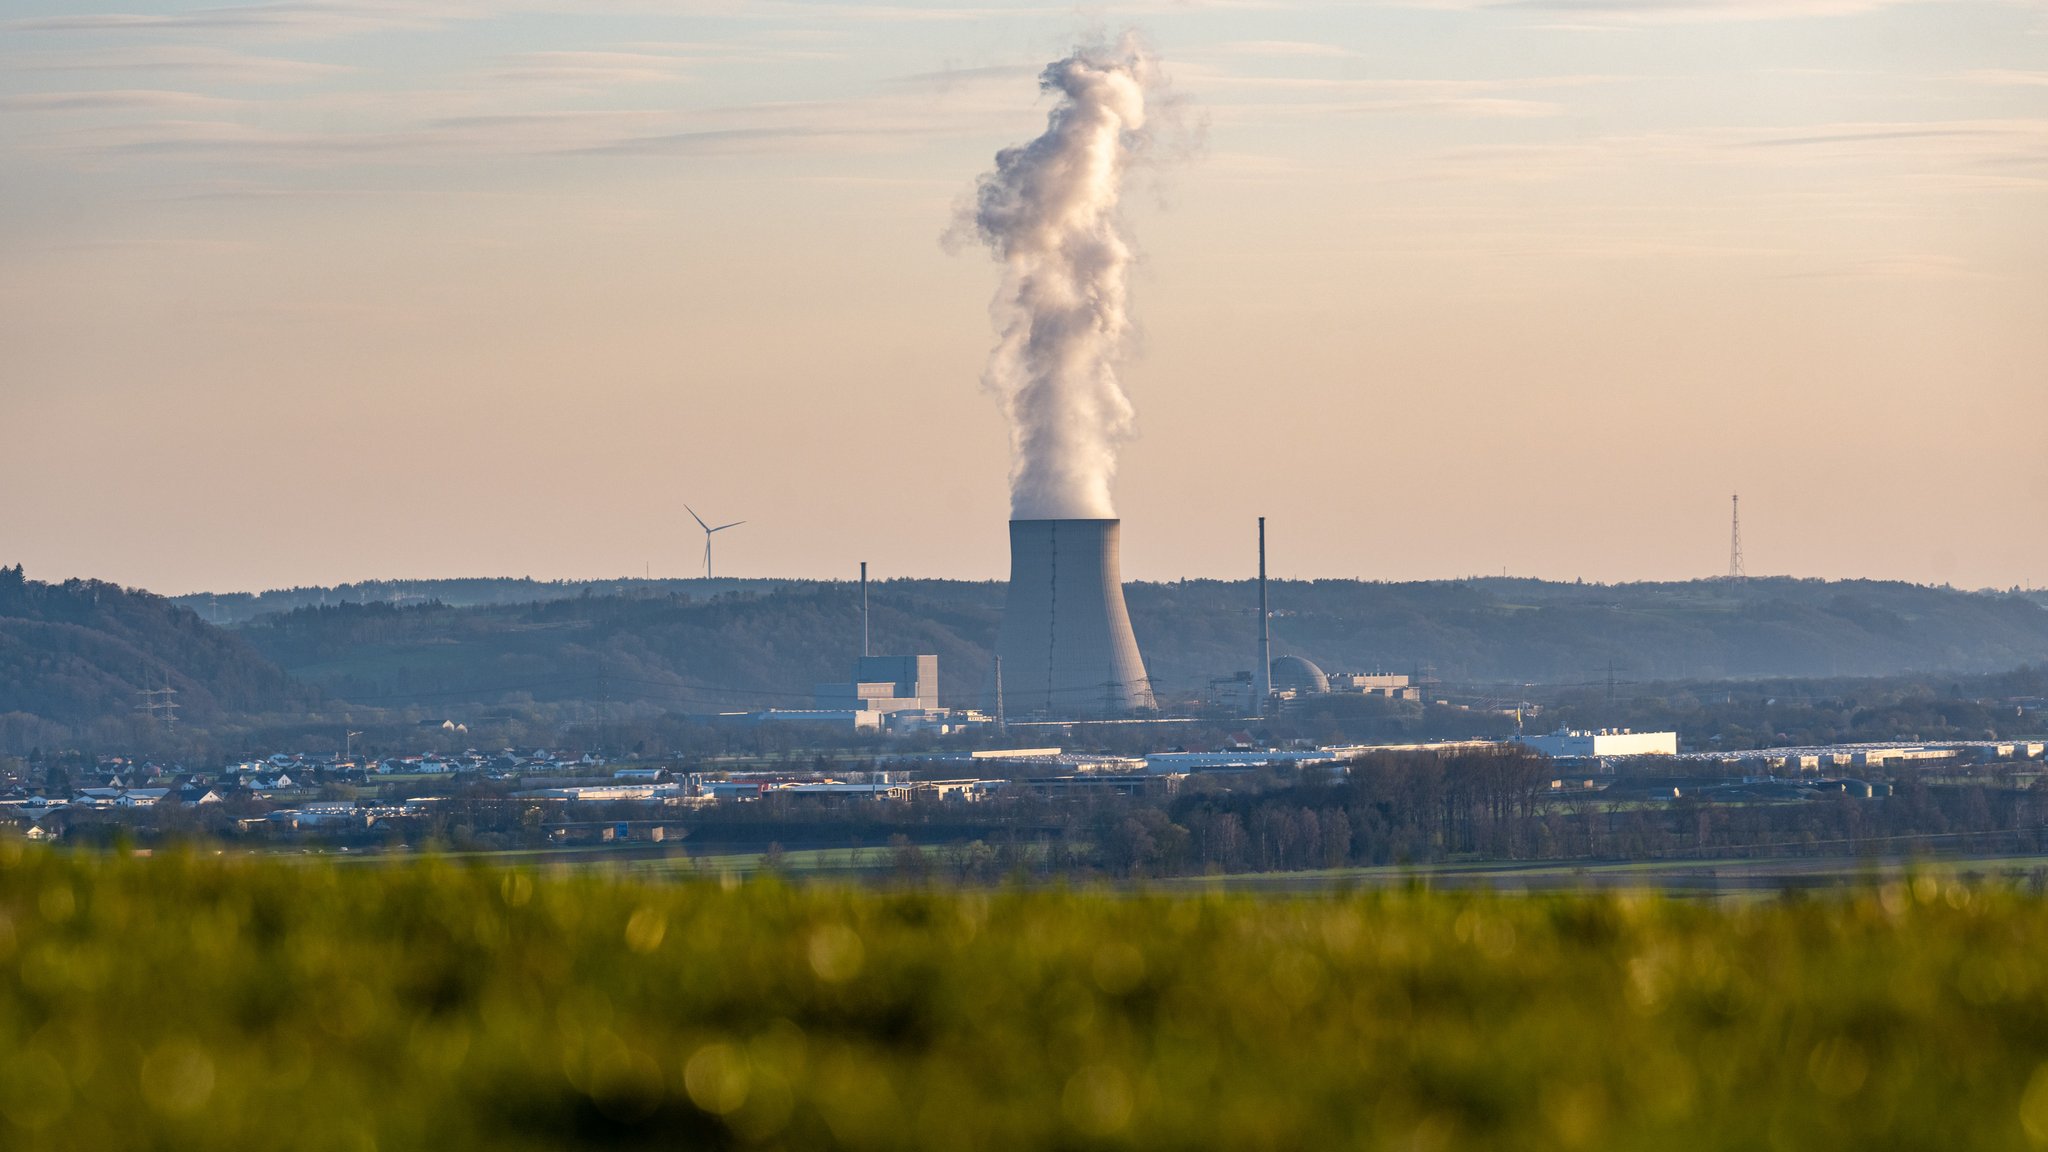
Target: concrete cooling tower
[{"x": 1066, "y": 645}]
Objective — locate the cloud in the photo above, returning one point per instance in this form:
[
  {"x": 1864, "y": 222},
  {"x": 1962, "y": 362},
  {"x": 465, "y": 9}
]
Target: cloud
[
  {"x": 204, "y": 64},
  {"x": 1486, "y": 107},
  {"x": 440, "y": 128},
  {"x": 951, "y": 78},
  {"x": 1295, "y": 97},
  {"x": 1283, "y": 49},
  {"x": 294, "y": 19},
  {"x": 119, "y": 99},
  {"x": 713, "y": 140},
  {"x": 1605, "y": 15},
  {"x": 232, "y": 145},
  {"x": 2007, "y": 76},
  {"x": 594, "y": 67},
  {"x": 1970, "y": 154},
  {"x": 1859, "y": 136}
]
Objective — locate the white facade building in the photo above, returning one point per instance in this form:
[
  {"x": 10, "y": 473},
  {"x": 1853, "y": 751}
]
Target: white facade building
[{"x": 1565, "y": 744}]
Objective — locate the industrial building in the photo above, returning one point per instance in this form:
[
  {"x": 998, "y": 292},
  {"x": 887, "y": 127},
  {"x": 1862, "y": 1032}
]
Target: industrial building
[
  {"x": 1066, "y": 648},
  {"x": 885, "y": 684},
  {"x": 1567, "y": 744},
  {"x": 1393, "y": 686},
  {"x": 1297, "y": 676}
]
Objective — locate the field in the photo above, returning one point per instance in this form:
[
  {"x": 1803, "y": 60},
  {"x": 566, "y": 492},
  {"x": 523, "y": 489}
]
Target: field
[{"x": 244, "y": 1002}]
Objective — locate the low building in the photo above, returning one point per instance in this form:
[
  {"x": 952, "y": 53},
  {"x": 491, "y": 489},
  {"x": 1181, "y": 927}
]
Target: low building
[
  {"x": 605, "y": 793},
  {"x": 1389, "y": 685},
  {"x": 860, "y": 720},
  {"x": 1295, "y": 677},
  {"x": 1593, "y": 744}
]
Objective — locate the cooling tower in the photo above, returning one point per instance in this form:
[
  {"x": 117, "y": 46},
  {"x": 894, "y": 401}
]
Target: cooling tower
[{"x": 1066, "y": 647}]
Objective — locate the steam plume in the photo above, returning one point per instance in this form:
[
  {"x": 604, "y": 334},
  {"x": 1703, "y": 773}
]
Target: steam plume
[{"x": 1049, "y": 213}]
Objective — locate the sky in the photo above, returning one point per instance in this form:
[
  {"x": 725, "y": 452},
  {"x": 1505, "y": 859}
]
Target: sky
[{"x": 327, "y": 290}]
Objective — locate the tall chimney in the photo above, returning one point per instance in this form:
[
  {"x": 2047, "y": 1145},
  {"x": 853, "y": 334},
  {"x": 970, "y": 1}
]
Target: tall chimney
[
  {"x": 1263, "y": 680},
  {"x": 864, "y": 608},
  {"x": 1066, "y": 644}
]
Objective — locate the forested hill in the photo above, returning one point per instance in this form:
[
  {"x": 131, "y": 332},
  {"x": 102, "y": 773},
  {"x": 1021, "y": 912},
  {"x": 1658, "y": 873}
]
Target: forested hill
[
  {"x": 473, "y": 592},
  {"x": 753, "y": 648},
  {"x": 1496, "y": 629},
  {"x": 77, "y": 654}
]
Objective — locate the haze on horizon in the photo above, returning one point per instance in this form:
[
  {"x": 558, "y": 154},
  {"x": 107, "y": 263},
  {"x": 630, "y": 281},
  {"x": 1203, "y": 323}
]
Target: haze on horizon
[{"x": 301, "y": 293}]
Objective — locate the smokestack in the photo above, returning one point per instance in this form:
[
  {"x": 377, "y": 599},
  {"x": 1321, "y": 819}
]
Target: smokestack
[
  {"x": 1264, "y": 680},
  {"x": 864, "y": 608},
  {"x": 1002, "y": 721},
  {"x": 1066, "y": 647}
]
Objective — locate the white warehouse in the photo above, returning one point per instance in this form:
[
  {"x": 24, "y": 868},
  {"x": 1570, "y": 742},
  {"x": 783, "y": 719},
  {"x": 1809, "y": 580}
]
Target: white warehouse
[{"x": 1566, "y": 744}]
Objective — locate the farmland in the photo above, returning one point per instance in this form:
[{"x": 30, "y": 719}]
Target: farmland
[{"x": 194, "y": 1001}]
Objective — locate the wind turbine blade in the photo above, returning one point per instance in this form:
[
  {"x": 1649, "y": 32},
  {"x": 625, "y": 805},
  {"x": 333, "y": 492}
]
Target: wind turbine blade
[
  {"x": 723, "y": 527},
  {"x": 697, "y": 518}
]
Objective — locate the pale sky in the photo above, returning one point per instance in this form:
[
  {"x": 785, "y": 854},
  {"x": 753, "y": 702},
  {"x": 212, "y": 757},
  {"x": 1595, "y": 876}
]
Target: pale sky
[{"x": 326, "y": 290}]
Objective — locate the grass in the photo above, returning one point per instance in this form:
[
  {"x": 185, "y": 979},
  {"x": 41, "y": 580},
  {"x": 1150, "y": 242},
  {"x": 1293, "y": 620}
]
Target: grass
[{"x": 187, "y": 1002}]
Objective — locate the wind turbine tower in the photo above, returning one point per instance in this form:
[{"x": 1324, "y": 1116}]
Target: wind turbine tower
[{"x": 709, "y": 531}]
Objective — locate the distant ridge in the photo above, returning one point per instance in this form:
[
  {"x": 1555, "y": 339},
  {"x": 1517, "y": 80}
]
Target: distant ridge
[
  {"x": 459, "y": 592},
  {"x": 75, "y": 656},
  {"x": 760, "y": 643}
]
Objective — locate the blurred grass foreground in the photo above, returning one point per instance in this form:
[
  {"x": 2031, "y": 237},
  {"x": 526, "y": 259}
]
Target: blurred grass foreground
[{"x": 242, "y": 1003}]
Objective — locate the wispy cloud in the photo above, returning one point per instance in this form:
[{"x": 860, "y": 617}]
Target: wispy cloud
[
  {"x": 1975, "y": 153},
  {"x": 236, "y": 144},
  {"x": 718, "y": 140},
  {"x": 1234, "y": 97},
  {"x": 202, "y": 64},
  {"x": 1283, "y": 49},
  {"x": 1869, "y": 135},
  {"x": 951, "y": 78},
  {"x": 1602, "y": 15},
  {"x": 1490, "y": 107},
  {"x": 115, "y": 99},
  {"x": 2007, "y": 76},
  {"x": 444, "y": 128},
  {"x": 287, "y": 19},
  {"x": 594, "y": 68}
]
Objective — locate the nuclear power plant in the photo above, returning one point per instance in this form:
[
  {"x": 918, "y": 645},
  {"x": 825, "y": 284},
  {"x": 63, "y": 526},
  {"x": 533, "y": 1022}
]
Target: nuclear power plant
[{"x": 1066, "y": 648}]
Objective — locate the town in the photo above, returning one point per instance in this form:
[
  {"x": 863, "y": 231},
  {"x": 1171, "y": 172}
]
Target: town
[{"x": 1064, "y": 809}]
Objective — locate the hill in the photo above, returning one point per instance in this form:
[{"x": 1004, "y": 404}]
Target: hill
[
  {"x": 767, "y": 645},
  {"x": 75, "y": 656},
  {"x": 471, "y": 592}
]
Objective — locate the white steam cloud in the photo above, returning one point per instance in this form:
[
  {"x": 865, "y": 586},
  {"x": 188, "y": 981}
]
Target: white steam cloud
[{"x": 1049, "y": 213}]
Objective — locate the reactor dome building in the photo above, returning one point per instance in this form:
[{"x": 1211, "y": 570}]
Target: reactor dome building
[
  {"x": 1066, "y": 648},
  {"x": 1300, "y": 675}
]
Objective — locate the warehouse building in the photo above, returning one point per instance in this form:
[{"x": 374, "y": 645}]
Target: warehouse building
[{"x": 1567, "y": 744}]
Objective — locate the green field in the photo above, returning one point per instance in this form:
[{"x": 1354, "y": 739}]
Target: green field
[{"x": 246, "y": 1002}]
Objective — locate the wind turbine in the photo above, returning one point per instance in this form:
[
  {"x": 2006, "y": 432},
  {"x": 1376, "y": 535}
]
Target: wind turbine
[{"x": 708, "y": 530}]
